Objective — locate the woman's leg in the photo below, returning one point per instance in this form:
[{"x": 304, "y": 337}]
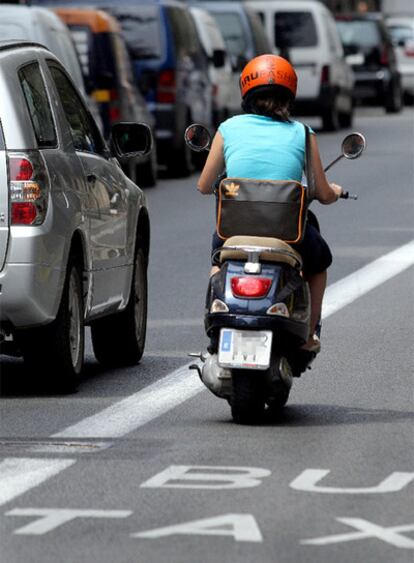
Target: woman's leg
[{"x": 317, "y": 285}]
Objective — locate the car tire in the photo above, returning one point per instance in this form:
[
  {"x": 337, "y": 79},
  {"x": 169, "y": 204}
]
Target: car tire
[
  {"x": 346, "y": 119},
  {"x": 58, "y": 348},
  {"x": 394, "y": 100},
  {"x": 330, "y": 117},
  {"x": 119, "y": 340}
]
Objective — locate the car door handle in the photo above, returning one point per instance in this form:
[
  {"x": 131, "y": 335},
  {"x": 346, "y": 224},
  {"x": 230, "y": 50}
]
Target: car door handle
[{"x": 91, "y": 178}]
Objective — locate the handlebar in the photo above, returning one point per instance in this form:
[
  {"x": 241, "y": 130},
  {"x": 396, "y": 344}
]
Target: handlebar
[{"x": 347, "y": 195}]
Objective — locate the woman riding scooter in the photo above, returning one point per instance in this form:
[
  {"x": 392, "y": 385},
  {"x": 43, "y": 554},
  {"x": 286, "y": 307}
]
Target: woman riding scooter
[{"x": 264, "y": 143}]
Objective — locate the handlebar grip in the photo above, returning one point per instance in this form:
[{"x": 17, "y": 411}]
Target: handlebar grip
[{"x": 347, "y": 195}]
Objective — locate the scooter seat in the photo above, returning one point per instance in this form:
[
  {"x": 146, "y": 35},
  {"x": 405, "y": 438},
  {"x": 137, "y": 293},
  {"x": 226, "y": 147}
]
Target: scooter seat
[{"x": 279, "y": 251}]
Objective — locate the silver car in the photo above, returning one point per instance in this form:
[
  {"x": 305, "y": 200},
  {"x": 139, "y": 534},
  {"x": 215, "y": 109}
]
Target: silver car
[{"x": 74, "y": 230}]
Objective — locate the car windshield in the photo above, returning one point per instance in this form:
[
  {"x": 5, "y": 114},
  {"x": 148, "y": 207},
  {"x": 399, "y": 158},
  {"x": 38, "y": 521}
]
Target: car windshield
[
  {"x": 295, "y": 29},
  {"x": 232, "y": 29},
  {"x": 141, "y": 30},
  {"x": 358, "y": 32}
]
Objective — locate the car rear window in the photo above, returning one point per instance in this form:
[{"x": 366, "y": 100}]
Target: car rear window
[
  {"x": 261, "y": 43},
  {"x": 295, "y": 29},
  {"x": 359, "y": 32},
  {"x": 141, "y": 30},
  {"x": 231, "y": 27},
  {"x": 186, "y": 40},
  {"x": 37, "y": 101}
]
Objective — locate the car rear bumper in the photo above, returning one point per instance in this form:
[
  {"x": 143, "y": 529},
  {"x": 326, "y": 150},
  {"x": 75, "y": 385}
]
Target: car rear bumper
[
  {"x": 318, "y": 105},
  {"x": 372, "y": 84},
  {"x": 29, "y": 294}
]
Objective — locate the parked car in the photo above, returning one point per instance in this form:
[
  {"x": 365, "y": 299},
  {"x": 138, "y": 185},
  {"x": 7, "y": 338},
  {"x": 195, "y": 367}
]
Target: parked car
[
  {"x": 401, "y": 29},
  {"x": 74, "y": 230},
  {"x": 224, "y": 88},
  {"x": 243, "y": 34},
  {"x": 32, "y": 23},
  {"x": 305, "y": 33},
  {"x": 109, "y": 76},
  {"x": 369, "y": 49}
]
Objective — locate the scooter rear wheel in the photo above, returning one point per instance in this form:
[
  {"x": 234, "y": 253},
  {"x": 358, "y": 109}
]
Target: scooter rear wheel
[{"x": 247, "y": 400}]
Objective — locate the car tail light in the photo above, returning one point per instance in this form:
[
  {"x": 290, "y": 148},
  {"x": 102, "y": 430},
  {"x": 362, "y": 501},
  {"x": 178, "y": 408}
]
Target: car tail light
[
  {"x": 29, "y": 188},
  {"x": 166, "y": 87},
  {"x": 384, "y": 60},
  {"x": 325, "y": 74},
  {"x": 409, "y": 49},
  {"x": 250, "y": 286},
  {"x": 114, "y": 109}
]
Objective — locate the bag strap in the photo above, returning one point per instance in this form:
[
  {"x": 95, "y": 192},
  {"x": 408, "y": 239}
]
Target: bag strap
[{"x": 308, "y": 166}]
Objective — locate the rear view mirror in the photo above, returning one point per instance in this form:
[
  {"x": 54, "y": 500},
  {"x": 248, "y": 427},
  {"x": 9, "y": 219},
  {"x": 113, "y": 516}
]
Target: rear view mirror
[
  {"x": 197, "y": 137},
  {"x": 131, "y": 139},
  {"x": 353, "y": 145}
]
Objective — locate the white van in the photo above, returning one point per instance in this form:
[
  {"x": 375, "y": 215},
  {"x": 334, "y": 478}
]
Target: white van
[
  {"x": 225, "y": 87},
  {"x": 304, "y": 31}
]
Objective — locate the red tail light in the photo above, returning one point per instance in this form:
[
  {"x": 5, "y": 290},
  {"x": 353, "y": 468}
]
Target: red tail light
[
  {"x": 384, "y": 60},
  {"x": 29, "y": 188},
  {"x": 250, "y": 286},
  {"x": 21, "y": 169},
  {"x": 325, "y": 74},
  {"x": 23, "y": 213},
  {"x": 114, "y": 110},
  {"x": 166, "y": 87},
  {"x": 409, "y": 49}
]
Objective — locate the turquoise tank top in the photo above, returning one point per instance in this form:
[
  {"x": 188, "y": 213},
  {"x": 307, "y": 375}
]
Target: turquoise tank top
[{"x": 259, "y": 147}]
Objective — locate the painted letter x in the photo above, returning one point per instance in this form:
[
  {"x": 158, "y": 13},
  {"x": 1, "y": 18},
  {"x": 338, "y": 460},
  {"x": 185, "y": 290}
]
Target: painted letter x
[{"x": 367, "y": 529}]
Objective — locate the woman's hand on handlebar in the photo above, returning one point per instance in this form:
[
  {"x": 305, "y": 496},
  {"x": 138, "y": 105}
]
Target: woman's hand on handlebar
[{"x": 337, "y": 190}]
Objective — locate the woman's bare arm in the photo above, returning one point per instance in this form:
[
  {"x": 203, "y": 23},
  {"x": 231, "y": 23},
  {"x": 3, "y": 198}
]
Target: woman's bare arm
[
  {"x": 213, "y": 167},
  {"x": 324, "y": 191}
]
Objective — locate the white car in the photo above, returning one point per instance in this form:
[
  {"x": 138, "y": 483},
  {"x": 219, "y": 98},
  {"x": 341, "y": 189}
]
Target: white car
[
  {"x": 402, "y": 33},
  {"x": 306, "y": 33},
  {"x": 225, "y": 88}
]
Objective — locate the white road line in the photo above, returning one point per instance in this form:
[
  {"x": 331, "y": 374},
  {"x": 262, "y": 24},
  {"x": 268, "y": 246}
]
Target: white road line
[
  {"x": 348, "y": 289},
  {"x": 18, "y": 475},
  {"x": 138, "y": 409}
]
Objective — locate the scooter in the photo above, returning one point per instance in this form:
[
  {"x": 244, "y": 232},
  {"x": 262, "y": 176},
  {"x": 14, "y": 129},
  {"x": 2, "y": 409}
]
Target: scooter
[{"x": 257, "y": 314}]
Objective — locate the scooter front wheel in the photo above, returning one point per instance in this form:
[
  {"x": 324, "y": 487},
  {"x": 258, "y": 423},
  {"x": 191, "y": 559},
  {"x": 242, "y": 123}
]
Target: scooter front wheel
[{"x": 247, "y": 399}]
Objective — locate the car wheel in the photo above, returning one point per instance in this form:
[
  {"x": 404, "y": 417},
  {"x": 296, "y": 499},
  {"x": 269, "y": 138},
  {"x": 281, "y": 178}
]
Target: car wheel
[
  {"x": 119, "y": 339},
  {"x": 58, "y": 348},
  {"x": 330, "y": 118},
  {"x": 394, "y": 100}
]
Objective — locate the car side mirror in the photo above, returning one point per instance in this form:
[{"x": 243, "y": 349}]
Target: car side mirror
[
  {"x": 219, "y": 58},
  {"x": 130, "y": 140}
]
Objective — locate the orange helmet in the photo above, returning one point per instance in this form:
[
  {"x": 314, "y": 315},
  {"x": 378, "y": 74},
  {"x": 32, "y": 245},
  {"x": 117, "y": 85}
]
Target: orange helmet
[{"x": 266, "y": 71}]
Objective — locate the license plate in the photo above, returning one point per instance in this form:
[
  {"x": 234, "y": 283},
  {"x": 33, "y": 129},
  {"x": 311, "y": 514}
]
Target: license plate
[{"x": 244, "y": 349}]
